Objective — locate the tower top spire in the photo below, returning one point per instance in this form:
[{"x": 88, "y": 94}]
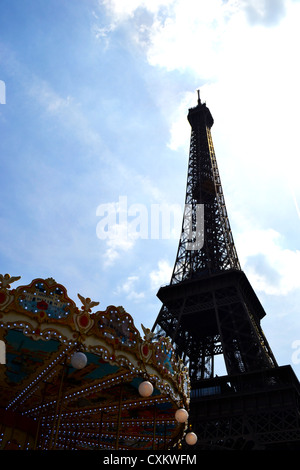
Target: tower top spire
[{"x": 199, "y": 100}]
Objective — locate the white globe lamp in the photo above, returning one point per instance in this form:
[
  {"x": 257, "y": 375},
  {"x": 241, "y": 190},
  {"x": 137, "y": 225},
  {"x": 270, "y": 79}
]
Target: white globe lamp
[
  {"x": 181, "y": 415},
  {"x": 145, "y": 389},
  {"x": 79, "y": 360},
  {"x": 191, "y": 438}
]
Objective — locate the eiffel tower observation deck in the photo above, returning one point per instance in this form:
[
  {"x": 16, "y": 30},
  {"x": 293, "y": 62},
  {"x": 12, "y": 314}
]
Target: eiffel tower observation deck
[{"x": 210, "y": 309}]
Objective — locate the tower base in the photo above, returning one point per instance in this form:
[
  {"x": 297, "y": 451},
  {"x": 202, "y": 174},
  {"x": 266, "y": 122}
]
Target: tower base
[{"x": 251, "y": 411}]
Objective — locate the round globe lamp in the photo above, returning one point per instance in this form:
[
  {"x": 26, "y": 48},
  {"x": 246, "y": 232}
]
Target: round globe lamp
[
  {"x": 145, "y": 389},
  {"x": 79, "y": 360},
  {"x": 181, "y": 415},
  {"x": 191, "y": 438}
]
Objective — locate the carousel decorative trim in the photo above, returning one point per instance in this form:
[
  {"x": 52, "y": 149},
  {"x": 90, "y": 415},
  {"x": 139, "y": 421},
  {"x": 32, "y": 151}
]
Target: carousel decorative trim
[{"x": 124, "y": 395}]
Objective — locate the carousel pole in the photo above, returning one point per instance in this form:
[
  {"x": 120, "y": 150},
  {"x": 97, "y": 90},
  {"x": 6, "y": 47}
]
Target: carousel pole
[
  {"x": 40, "y": 417},
  {"x": 154, "y": 427},
  {"x": 119, "y": 415},
  {"x": 57, "y": 414},
  {"x": 100, "y": 428}
]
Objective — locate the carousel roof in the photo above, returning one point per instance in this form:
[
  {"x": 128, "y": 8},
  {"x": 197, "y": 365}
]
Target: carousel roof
[{"x": 60, "y": 404}]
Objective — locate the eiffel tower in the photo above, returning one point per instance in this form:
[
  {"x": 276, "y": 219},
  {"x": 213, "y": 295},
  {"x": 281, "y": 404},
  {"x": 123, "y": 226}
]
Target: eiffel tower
[{"x": 210, "y": 309}]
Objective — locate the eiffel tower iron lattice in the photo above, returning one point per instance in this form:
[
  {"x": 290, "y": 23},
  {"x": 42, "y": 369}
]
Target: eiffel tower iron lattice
[{"x": 210, "y": 308}]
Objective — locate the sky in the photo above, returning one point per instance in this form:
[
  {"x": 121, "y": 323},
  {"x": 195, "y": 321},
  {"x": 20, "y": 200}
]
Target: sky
[{"x": 94, "y": 96}]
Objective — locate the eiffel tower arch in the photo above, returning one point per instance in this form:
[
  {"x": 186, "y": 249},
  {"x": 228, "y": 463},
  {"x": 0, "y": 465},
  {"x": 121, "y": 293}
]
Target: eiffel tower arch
[{"x": 210, "y": 309}]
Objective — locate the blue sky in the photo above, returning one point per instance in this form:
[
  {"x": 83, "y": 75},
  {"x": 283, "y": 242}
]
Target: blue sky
[{"x": 96, "y": 98}]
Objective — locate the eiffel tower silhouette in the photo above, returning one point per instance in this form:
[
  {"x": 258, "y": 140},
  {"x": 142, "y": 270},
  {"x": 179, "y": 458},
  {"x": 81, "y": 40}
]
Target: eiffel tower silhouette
[{"x": 210, "y": 308}]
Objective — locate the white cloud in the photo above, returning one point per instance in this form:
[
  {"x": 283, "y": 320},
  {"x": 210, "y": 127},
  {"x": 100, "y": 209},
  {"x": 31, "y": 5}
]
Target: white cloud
[
  {"x": 268, "y": 12},
  {"x": 162, "y": 275},
  {"x": 180, "y": 132},
  {"x": 242, "y": 62},
  {"x": 119, "y": 241},
  {"x": 66, "y": 109},
  {"x": 51, "y": 101},
  {"x": 244, "y": 55},
  {"x": 271, "y": 267},
  {"x": 121, "y": 9},
  {"x": 128, "y": 289},
  {"x": 192, "y": 38}
]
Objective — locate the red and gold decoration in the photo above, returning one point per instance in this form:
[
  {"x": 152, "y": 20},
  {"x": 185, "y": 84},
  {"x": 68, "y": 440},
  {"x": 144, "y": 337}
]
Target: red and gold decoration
[{"x": 74, "y": 379}]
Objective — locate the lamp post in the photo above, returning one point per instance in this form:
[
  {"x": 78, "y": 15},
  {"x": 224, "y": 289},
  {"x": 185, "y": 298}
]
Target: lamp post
[
  {"x": 119, "y": 415},
  {"x": 78, "y": 361},
  {"x": 154, "y": 427},
  {"x": 37, "y": 435},
  {"x": 57, "y": 414}
]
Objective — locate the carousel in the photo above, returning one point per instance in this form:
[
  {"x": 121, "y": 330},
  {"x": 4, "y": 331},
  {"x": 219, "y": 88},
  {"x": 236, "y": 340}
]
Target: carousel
[{"x": 74, "y": 379}]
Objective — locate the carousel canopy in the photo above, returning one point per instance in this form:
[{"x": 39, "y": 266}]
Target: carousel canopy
[{"x": 74, "y": 379}]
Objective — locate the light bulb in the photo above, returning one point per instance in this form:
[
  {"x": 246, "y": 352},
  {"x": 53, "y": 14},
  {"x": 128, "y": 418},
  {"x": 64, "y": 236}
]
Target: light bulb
[
  {"x": 191, "y": 438},
  {"x": 146, "y": 389},
  {"x": 181, "y": 415},
  {"x": 79, "y": 360}
]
